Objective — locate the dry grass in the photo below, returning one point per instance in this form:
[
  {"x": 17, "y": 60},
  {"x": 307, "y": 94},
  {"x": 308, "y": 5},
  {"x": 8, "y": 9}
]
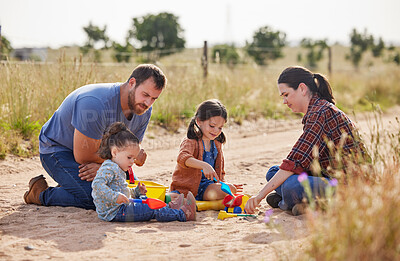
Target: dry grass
[
  {"x": 31, "y": 92},
  {"x": 362, "y": 221}
]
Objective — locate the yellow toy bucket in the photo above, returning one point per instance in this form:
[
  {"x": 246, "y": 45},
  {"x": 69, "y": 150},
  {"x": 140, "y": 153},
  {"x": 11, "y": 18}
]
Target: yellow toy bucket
[{"x": 154, "y": 189}]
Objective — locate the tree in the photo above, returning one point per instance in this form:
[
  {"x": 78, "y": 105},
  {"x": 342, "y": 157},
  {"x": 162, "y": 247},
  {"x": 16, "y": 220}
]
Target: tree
[
  {"x": 161, "y": 33},
  {"x": 6, "y": 48},
  {"x": 266, "y": 45},
  {"x": 396, "y": 59},
  {"x": 359, "y": 44},
  {"x": 315, "y": 50},
  {"x": 95, "y": 35},
  {"x": 226, "y": 53},
  {"x": 377, "y": 49},
  {"x": 122, "y": 52}
]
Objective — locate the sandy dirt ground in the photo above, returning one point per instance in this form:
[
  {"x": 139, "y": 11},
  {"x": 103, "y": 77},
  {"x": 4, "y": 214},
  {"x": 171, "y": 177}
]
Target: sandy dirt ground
[{"x": 30, "y": 232}]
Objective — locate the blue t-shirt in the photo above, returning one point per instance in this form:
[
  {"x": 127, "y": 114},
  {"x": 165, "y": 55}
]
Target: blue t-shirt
[{"x": 89, "y": 109}]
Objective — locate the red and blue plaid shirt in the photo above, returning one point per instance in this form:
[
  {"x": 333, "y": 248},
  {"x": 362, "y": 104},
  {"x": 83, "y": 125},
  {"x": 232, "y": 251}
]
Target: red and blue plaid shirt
[{"x": 323, "y": 123}]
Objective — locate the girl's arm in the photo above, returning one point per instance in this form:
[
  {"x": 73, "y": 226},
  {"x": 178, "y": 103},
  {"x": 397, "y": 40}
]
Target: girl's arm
[
  {"x": 208, "y": 171},
  {"x": 275, "y": 182},
  {"x": 100, "y": 188}
]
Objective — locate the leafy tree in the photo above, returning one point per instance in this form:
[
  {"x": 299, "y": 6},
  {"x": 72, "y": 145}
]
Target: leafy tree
[
  {"x": 95, "y": 35},
  {"x": 226, "y": 53},
  {"x": 396, "y": 59},
  {"x": 377, "y": 49},
  {"x": 122, "y": 52},
  {"x": 359, "y": 44},
  {"x": 5, "y": 48},
  {"x": 161, "y": 33},
  {"x": 267, "y": 45},
  {"x": 315, "y": 50}
]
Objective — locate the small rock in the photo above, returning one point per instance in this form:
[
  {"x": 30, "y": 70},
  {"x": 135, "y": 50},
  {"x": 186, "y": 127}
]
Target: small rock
[{"x": 29, "y": 247}]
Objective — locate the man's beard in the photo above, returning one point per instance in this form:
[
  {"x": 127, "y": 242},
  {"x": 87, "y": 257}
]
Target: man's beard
[{"x": 137, "y": 108}]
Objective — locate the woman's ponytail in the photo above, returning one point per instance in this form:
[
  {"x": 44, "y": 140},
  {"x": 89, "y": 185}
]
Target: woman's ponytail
[{"x": 324, "y": 88}]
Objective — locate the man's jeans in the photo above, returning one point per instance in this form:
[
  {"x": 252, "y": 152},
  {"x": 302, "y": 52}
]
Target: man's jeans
[
  {"x": 73, "y": 191},
  {"x": 292, "y": 191},
  {"x": 137, "y": 212}
]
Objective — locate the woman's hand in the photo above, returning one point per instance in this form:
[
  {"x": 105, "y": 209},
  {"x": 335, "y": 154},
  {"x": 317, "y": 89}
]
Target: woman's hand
[
  {"x": 88, "y": 171},
  {"x": 122, "y": 199},
  {"x": 252, "y": 204}
]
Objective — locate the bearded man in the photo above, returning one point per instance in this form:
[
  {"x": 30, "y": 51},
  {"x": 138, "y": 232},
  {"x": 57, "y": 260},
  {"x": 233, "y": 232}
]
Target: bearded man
[{"x": 69, "y": 140}]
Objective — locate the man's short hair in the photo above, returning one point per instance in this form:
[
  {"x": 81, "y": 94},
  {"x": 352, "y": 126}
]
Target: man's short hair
[{"x": 144, "y": 71}]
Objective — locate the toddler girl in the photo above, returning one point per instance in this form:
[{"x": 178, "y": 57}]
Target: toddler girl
[
  {"x": 200, "y": 158},
  {"x": 119, "y": 147}
]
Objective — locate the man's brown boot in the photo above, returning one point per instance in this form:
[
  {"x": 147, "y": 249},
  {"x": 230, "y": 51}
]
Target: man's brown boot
[{"x": 36, "y": 186}]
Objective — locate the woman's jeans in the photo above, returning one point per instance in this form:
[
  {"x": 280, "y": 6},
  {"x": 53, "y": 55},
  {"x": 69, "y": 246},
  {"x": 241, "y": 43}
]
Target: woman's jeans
[
  {"x": 137, "y": 212},
  {"x": 292, "y": 191},
  {"x": 73, "y": 191}
]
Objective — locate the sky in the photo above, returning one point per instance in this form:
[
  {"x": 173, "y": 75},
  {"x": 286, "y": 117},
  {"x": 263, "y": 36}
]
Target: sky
[{"x": 55, "y": 23}]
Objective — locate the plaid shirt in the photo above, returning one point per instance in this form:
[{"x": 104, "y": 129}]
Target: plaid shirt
[{"x": 323, "y": 123}]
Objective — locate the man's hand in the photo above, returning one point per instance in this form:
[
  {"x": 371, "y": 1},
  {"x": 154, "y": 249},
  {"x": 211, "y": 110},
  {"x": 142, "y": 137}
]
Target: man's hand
[
  {"x": 141, "y": 158},
  {"x": 88, "y": 171}
]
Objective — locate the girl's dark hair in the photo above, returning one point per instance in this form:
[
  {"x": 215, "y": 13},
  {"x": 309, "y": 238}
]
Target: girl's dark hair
[
  {"x": 317, "y": 83},
  {"x": 117, "y": 134},
  {"x": 205, "y": 111},
  {"x": 144, "y": 71}
]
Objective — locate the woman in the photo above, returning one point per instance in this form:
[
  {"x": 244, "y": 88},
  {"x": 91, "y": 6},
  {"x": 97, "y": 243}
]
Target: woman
[{"x": 311, "y": 94}]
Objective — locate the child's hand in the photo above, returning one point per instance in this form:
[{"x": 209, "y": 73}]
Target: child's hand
[
  {"x": 142, "y": 188},
  {"x": 141, "y": 158},
  {"x": 209, "y": 172},
  {"x": 239, "y": 187},
  {"x": 122, "y": 199}
]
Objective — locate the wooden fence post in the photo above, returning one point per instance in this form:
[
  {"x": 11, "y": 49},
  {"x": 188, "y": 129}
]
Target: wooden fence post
[
  {"x": 330, "y": 61},
  {"x": 1, "y": 54},
  {"x": 204, "y": 60}
]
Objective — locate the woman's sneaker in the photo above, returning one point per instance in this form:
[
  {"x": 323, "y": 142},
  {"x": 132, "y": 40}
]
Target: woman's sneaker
[
  {"x": 273, "y": 199},
  {"x": 189, "y": 207},
  {"x": 299, "y": 209}
]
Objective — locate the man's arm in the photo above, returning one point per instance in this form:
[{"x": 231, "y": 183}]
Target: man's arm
[
  {"x": 85, "y": 148},
  {"x": 85, "y": 153}
]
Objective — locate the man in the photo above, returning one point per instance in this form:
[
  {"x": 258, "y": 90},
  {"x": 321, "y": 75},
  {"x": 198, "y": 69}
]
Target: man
[{"x": 69, "y": 141}]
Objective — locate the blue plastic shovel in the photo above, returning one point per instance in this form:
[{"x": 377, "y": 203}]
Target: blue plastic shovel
[{"x": 224, "y": 187}]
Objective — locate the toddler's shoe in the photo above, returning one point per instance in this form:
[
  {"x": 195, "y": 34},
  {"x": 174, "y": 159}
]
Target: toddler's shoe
[
  {"x": 177, "y": 203},
  {"x": 189, "y": 207}
]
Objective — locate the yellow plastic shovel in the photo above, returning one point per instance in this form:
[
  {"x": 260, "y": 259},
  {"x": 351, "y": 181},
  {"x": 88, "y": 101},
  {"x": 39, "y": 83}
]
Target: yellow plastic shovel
[{"x": 223, "y": 214}]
